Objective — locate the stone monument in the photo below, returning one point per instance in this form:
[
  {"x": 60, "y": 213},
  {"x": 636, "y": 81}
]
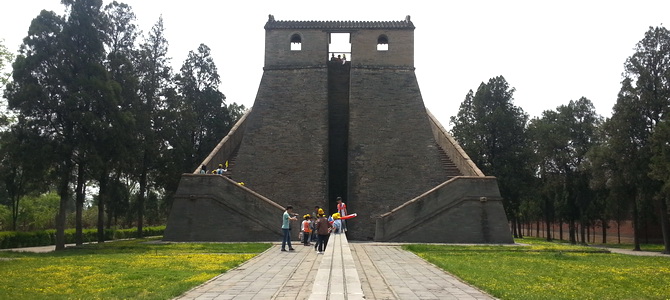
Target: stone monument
[{"x": 323, "y": 127}]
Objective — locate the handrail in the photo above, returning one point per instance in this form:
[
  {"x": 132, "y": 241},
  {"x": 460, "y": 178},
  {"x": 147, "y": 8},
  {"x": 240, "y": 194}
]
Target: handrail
[
  {"x": 431, "y": 191},
  {"x": 226, "y": 146},
  {"x": 435, "y": 202},
  {"x": 228, "y": 197},
  {"x": 453, "y": 149}
]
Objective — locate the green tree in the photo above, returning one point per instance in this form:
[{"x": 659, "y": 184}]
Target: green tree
[
  {"x": 660, "y": 168},
  {"x": 627, "y": 139},
  {"x": 548, "y": 139},
  {"x": 22, "y": 157},
  {"x": 197, "y": 116},
  {"x": 562, "y": 139},
  {"x": 583, "y": 124},
  {"x": 6, "y": 57},
  {"x": 59, "y": 85},
  {"x": 201, "y": 107},
  {"x": 599, "y": 166},
  {"x": 38, "y": 210},
  {"x": 492, "y": 130},
  {"x": 114, "y": 143},
  {"x": 92, "y": 92},
  {"x": 155, "y": 77},
  {"x": 40, "y": 95},
  {"x": 642, "y": 103}
]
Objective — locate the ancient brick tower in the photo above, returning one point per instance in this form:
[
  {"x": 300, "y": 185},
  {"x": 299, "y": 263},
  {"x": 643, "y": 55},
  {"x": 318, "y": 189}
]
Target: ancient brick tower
[{"x": 358, "y": 129}]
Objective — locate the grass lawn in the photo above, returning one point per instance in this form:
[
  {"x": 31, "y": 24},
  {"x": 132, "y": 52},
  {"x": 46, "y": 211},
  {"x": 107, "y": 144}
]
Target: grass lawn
[
  {"x": 138, "y": 269},
  {"x": 547, "y": 270}
]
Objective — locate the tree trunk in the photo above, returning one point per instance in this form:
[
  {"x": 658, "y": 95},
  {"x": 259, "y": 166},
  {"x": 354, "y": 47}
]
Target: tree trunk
[
  {"x": 537, "y": 228},
  {"x": 15, "y": 211},
  {"x": 646, "y": 232},
  {"x": 80, "y": 192},
  {"x": 102, "y": 200},
  {"x": 605, "y": 226},
  {"x": 140, "y": 202},
  {"x": 16, "y": 195},
  {"x": 518, "y": 224},
  {"x": 548, "y": 224},
  {"x": 636, "y": 226},
  {"x": 593, "y": 231},
  {"x": 582, "y": 232},
  {"x": 513, "y": 225},
  {"x": 571, "y": 229},
  {"x": 553, "y": 231},
  {"x": 64, "y": 192},
  {"x": 110, "y": 216},
  {"x": 665, "y": 224},
  {"x": 618, "y": 231},
  {"x": 560, "y": 230}
]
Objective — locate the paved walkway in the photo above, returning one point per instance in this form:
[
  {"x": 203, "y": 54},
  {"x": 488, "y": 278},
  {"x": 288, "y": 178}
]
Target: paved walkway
[
  {"x": 382, "y": 271},
  {"x": 39, "y": 249},
  {"x": 631, "y": 252}
]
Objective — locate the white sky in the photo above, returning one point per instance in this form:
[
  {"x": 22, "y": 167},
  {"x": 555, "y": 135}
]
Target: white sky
[{"x": 550, "y": 51}]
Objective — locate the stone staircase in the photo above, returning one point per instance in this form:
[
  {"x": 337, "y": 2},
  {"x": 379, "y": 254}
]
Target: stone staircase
[
  {"x": 448, "y": 165},
  {"x": 231, "y": 162}
]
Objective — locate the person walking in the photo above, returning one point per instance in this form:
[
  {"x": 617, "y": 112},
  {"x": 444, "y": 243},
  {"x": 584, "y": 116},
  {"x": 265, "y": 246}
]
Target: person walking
[
  {"x": 323, "y": 228},
  {"x": 315, "y": 216},
  {"x": 286, "y": 228}
]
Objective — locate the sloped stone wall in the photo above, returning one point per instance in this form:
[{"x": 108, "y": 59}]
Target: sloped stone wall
[
  {"x": 283, "y": 154},
  {"x": 465, "y": 209},
  {"x": 393, "y": 156},
  {"x": 214, "y": 208}
]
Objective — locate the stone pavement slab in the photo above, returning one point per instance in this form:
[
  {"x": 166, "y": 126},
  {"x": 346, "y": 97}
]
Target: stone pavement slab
[
  {"x": 270, "y": 275},
  {"x": 348, "y": 271},
  {"x": 388, "y": 272},
  {"x": 337, "y": 277}
]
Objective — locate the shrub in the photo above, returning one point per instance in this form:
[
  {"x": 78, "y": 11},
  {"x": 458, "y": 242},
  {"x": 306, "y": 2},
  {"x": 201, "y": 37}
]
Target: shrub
[
  {"x": 14, "y": 239},
  {"x": 5, "y": 218}
]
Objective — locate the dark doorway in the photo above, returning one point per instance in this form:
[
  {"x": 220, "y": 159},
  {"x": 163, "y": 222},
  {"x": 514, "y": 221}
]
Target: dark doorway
[{"x": 338, "y": 131}]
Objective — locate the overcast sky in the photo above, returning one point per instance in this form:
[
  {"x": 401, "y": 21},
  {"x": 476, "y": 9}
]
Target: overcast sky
[{"x": 550, "y": 51}]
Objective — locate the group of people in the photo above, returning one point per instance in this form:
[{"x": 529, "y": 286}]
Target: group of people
[
  {"x": 340, "y": 58},
  {"x": 223, "y": 168},
  {"x": 317, "y": 228}
]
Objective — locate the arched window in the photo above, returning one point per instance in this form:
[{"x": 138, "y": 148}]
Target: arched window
[
  {"x": 382, "y": 43},
  {"x": 296, "y": 42}
]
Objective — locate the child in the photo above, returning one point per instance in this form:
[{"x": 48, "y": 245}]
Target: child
[
  {"x": 306, "y": 230},
  {"x": 313, "y": 221},
  {"x": 337, "y": 223},
  {"x": 319, "y": 212}
]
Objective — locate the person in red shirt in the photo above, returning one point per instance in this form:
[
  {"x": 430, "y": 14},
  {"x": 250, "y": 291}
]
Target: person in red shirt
[{"x": 342, "y": 209}]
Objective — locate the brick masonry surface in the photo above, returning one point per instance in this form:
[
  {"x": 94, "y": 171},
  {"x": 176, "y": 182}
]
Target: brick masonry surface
[{"x": 285, "y": 158}]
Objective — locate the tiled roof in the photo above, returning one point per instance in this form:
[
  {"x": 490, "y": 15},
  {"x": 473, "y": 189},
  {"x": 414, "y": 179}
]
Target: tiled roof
[{"x": 338, "y": 25}]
